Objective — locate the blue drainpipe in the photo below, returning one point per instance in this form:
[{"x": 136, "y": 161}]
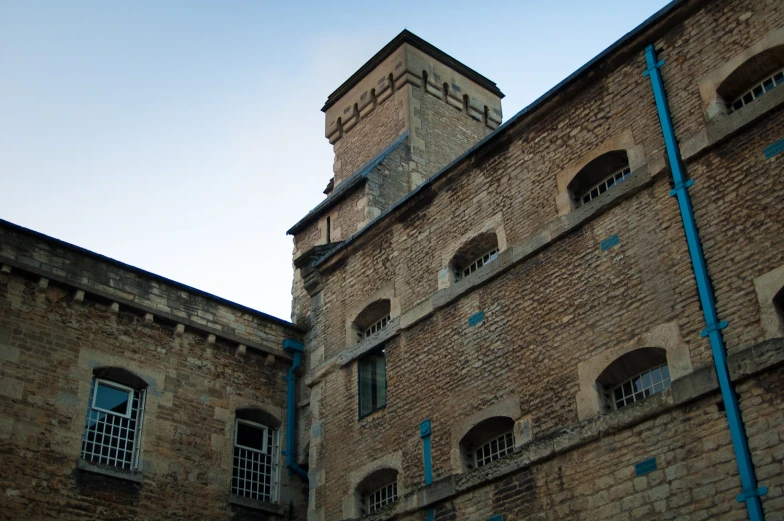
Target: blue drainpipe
[
  {"x": 751, "y": 494},
  {"x": 295, "y": 349}
]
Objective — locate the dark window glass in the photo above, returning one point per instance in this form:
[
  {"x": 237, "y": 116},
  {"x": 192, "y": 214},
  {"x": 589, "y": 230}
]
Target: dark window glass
[
  {"x": 112, "y": 399},
  {"x": 372, "y": 383},
  {"x": 250, "y": 436}
]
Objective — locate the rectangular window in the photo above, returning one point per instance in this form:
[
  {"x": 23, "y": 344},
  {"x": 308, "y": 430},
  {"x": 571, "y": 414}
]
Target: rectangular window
[
  {"x": 372, "y": 383},
  {"x": 382, "y": 497},
  {"x": 113, "y": 428},
  {"x": 494, "y": 449},
  {"x": 254, "y": 474}
]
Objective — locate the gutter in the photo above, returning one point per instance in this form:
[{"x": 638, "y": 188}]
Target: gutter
[
  {"x": 544, "y": 98},
  {"x": 751, "y": 493},
  {"x": 295, "y": 349}
]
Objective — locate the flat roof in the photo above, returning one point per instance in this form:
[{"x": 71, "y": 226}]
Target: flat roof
[{"x": 410, "y": 38}]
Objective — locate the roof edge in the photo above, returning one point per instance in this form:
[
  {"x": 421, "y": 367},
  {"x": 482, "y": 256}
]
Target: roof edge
[
  {"x": 661, "y": 13},
  {"x": 410, "y": 38},
  {"x": 145, "y": 273}
]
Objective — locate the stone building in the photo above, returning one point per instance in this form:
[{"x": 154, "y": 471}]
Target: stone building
[
  {"x": 577, "y": 314},
  {"x": 573, "y": 315},
  {"x": 125, "y": 395}
]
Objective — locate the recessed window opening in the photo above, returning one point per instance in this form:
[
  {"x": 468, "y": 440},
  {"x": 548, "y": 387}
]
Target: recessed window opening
[
  {"x": 756, "y": 92},
  {"x": 475, "y": 254},
  {"x": 382, "y": 497},
  {"x": 600, "y": 175},
  {"x": 372, "y": 383},
  {"x": 641, "y": 386},
  {"x": 373, "y": 97},
  {"x": 605, "y": 185},
  {"x": 634, "y": 376},
  {"x": 424, "y": 82},
  {"x": 113, "y": 427},
  {"x": 392, "y": 82},
  {"x": 753, "y": 79},
  {"x": 254, "y": 473},
  {"x": 466, "y": 103},
  {"x": 478, "y": 263},
  {"x": 488, "y": 441},
  {"x": 778, "y": 305},
  {"x": 377, "y": 491},
  {"x": 445, "y": 91},
  {"x": 486, "y": 115},
  {"x": 373, "y": 319},
  {"x": 329, "y": 230}
]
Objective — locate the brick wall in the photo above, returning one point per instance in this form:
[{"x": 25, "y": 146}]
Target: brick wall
[
  {"x": 53, "y": 334},
  {"x": 554, "y": 300}
]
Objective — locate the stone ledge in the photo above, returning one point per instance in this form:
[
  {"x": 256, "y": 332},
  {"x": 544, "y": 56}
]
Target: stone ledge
[
  {"x": 370, "y": 343},
  {"x": 699, "y": 384},
  {"x": 256, "y": 504},
  {"x": 104, "y": 470},
  {"x": 723, "y": 125}
]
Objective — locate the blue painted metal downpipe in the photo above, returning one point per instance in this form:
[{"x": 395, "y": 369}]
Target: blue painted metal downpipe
[
  {"x": 751, "y": 494},
  {"x": 295, "y": 349}
]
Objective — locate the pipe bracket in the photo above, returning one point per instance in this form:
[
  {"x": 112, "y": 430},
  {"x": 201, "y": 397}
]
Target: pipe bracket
[
  {"x": 713, "y": 327},
  {"x": 680, "y": 187},
  {"x": 761, "y": 491}
]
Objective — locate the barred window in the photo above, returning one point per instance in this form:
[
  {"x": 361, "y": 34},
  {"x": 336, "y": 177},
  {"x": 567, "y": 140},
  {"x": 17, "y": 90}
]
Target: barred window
[
  {"x": 604, "y": 185},
  {"x": 374, "y": 328},
  {"x": 494, "y": 449},
  {"x": 478, "y": 263},
  {"x": 487, "y": 441},
  {"x": 382, "y": 497},
  {"x": 641, "y": 386},
  {"x": 254, "y": 474},
  {"x": 757, "y": 91},
  {"x": 112, "y": 430}
]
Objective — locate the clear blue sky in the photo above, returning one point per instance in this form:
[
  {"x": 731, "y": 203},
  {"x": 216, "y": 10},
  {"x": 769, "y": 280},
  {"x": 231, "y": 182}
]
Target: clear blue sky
[{"x": 185, "y": 136}]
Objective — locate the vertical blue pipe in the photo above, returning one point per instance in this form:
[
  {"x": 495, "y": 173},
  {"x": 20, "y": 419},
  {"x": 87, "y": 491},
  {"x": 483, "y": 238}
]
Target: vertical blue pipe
[
  {"x": 295, "y": 349},
  {"x": 751, "y": 494},
  {"x": 424, "y": 433},
  {"x": 431, "y": 514}
]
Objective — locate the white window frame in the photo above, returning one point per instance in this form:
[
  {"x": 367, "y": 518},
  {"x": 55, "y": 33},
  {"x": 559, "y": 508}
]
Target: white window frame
[
  {"x": 508, "y": 440},
  {"x": 604, "y": 186},
  {"x": 477, "y": 263},
  {"x": 375, "y": 501},
  {"x": 375, "y": 327},
  {"x": 665, "y": 383},
  {"x": 271, "y": 452},
  {"x": 754, "y": 95},
  {"x": 135, "y": 450},
  {"x": 107, "y": 383}
]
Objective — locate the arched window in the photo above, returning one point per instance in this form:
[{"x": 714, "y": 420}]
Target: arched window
[
  {"x": 372, "y": 319},
  {"x": 477, "y": 252},
  {"x": 598, "y": 176},
  {"x": 112, "y": 431},
  {"x": 255, "y": 464},
  {"x": 752, "y": 80},
  {"x": 487, "y": 441},
  {"x": 377, "y": 490},
  {"x": 634, "y": 376}
]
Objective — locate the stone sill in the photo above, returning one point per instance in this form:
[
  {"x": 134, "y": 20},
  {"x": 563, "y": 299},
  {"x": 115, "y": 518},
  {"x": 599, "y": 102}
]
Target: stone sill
[
  {"x": 724, "y": 125},
  {"x": 699, "y": 384},
  {"x": 256, "y": 504},
  {"x": 370, "y": 343},
  {"x": 128, "y": 475}
]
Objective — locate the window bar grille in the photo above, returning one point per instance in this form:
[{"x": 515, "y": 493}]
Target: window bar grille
[
  {"x": 254, "y": 474},
  {"x": 757, "y": 91},
  {"x": 380, "y": 498},
  {"x": 641, "y": 386},
  {"x": 494, "y": 449},
  {"x": 605, "y": 185},
  {"x": 478, "y": 263},
  {"x": 374, "y": 328}
]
